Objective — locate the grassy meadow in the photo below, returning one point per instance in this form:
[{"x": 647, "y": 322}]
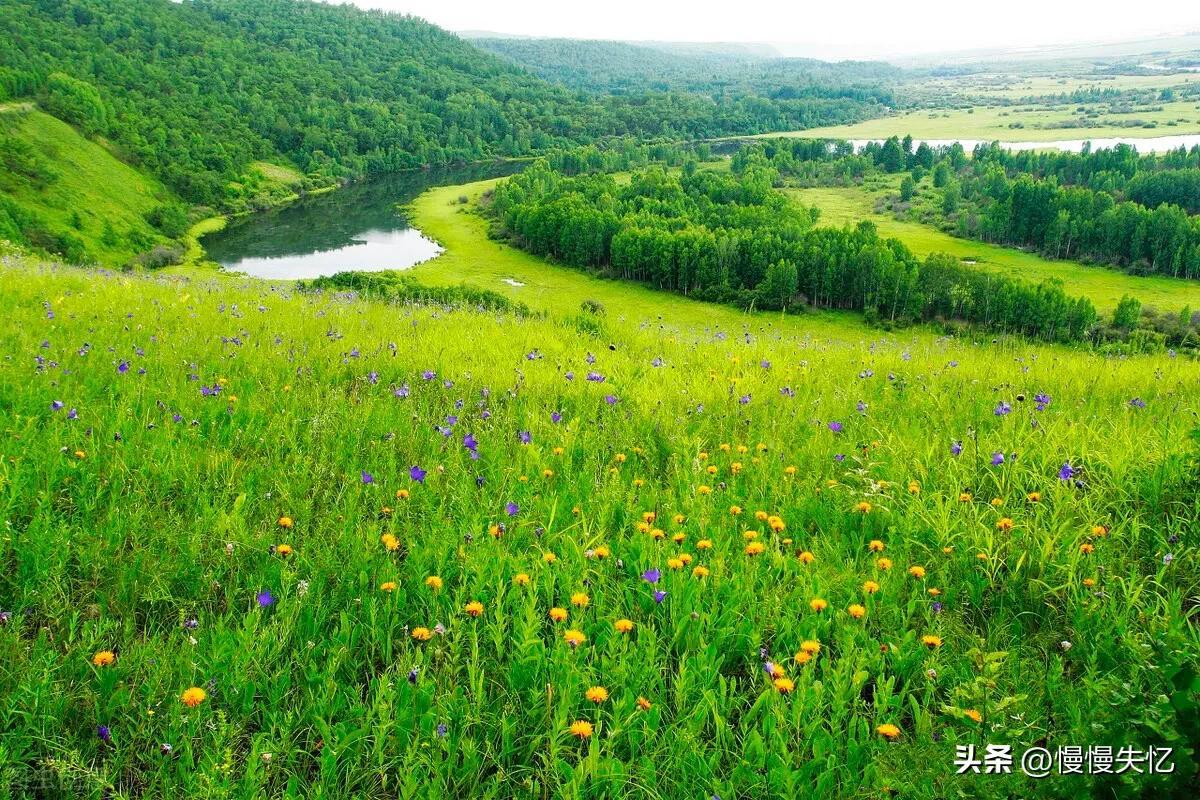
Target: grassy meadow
[
  {"x": 1104, "y": 286},
  {"x": 1038, "y": 123},
  {"x": 265, "y": 543}
]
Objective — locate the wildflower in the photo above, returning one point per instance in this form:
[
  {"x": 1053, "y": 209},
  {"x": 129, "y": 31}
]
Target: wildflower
[
  {"x": 810, "y": 646},
  {"x": 388, "y": 586},
  {"x": 474, "y": 608},
  {"x": 521, "y": 579},
  {"x": 422, "y": 634},
  {"x": 659, "y": 596},
  {"x": 285, "y": 522},
  {"x": 597, "y": 694},
  {"x": 916, "y": 572},
  {"x": 1087, "y": 548},
  {"x": 870, "y": 587},
  {"x": 623, "y": 625},
  {"x": 1004, "y": 524},
  {"x": 402, "y": 494},
  {"x": 875, "y": 546},
  {"x": 103, "y": 733},
  {"x": 264, "y": 598},
  {"x": 549, "y": 557},
  {"x": 581, "y": 729},
  {"x": 973, "y": 715},
  {"x": 1066, "y": 472},
  {"x": 434, "y": 582},
  {"x": 914, "y": 487},
  {"x": 806, "y": 557},
  {"x": 104, "y": 658},
  {"x": 704, "y": 544},
  {"x": 863, "y": 508},
  {"x": 818, "y": 604},
  {"x": 803, "y": 657},
  {"x": 574, "y": 637},
  {"x": 558, "y": 614},
  {"x": 964, "y": 497},
  {"x": 283, "y": 550},
  {"x": 651, "y": 576},
  {"x": 784, "y": 685},
  {"x": 417, "y": 474},
  {"x": 193, "y": 697},
  {"x": 754, "y": 548},
  {"x": 644, "y": 704},
  {"x": 931, "y": 641},
  {"x": 884, "y": 564},
  {"x": 956, "y": 448},
  {"x": 1099, "y": 530},
  {"x": 888, "y": 731},
  {"x": 1003, "y": 409},
  {"x": 1089, "y": 582},
  {"x": 580, "y": 600},
  {"x": 700, "y": 571},
  {"x": 367, "y": 478},
  {"x": 1034, "y": 497}
]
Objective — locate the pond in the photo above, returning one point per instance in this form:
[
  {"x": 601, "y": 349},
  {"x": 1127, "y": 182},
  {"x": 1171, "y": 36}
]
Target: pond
[{"x": 360, "y": 227}]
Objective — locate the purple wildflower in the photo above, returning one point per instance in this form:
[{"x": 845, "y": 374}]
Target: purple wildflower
[
  {"x": 103, "y": 733},
  {"x": 1003, "y": 409},
  {"x": 417, "y": 474},
  {"x": 836, "y": 427},
  {"x": 56, "y": 405},
  {"x": 511, "y": 508},
  {"x": 367, "y": 478},
  {"x": 1066, "y": 472},
  {"x": 524, "y": 437},
  {"x": 264, "y": 598},
  {"x": 651, "y": 575},
  {"x": 997, "y": 459},
  {"x": 956, "y": 448},
  {"x": 659, "y": 596}
]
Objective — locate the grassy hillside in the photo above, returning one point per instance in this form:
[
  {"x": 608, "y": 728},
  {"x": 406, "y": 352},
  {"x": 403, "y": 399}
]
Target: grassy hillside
[
  {"x": 76, "y": 189},
  {"x": 259, "y": 543},
  {"x": 1104, "y": 287}
]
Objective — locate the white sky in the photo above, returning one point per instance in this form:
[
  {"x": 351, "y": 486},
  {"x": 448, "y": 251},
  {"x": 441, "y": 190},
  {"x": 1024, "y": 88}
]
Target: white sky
[{"x": 827, "y": 29}]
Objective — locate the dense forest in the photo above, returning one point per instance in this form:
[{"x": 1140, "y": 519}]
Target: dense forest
[
  {"x": 732, "y": 238},
  {"x": 1108, "y": 206},
  {"x": 196, "y": 91},
  {"x": 622, "y": 67}
]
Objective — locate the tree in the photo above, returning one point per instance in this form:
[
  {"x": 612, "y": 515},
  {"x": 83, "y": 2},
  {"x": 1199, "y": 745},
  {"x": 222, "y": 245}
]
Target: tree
[
  {"x": 908, "y": 187},
  {"x": 1127, "y": 313}
]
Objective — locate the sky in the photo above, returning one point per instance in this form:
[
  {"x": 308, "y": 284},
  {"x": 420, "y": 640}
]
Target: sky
[{"x": 858, "y": 29}]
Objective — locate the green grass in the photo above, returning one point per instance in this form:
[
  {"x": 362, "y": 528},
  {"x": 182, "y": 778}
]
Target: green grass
[
  {"x": 471, "y": 257},
  {"x": 1103, "y": 286},
  {"x": 1041, "y": 124},
  {"x": 91, "y": 182},
  {"x": 143, "y": 504}
]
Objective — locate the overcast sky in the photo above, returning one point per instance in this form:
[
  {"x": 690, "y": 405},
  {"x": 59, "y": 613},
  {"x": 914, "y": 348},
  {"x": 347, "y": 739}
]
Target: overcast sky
[{"x": 826, "y": 29}]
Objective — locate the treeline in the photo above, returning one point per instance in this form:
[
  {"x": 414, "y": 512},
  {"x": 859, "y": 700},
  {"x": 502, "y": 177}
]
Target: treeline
[
  {"x": 732, "y": 238},
  {"x": 195, "y": 92},
  {"x": 1108, "y": 206}
]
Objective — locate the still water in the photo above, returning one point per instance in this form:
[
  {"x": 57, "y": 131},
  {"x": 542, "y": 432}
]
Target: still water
[{"x": 357, "y": 228}]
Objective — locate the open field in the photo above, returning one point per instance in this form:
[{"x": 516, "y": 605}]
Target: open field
[
  {"x": 1103, "y": 286},
  {"x": 1038, "y": 124},
  {"x": 271, "y": 544},
  {"x": 1015, "y": 87}
]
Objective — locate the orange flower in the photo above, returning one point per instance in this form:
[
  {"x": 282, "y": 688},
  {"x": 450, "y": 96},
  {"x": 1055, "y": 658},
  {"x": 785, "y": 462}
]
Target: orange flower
[
  {"x": 580, "y": 600},
  {"x": 285, "y": 522},
  {"x": 521, "y": 579},
  {"x": 193, "y": 697},
  {"x": 754, "y": 548},
  {"x": 916, "y": 572},
  {"x": 931, "y": 641},
  {"x": 700, "y": 571},
  {"x": 574, "y": 638},
  {"x": 875, "y": 546},
  {"x": 434, "y": 582},
  {"x": 597, "y": 694},
  {"x": 784, "y": 685},
  {"x": 623, "y": 625},
  {"x": 870, "y": 587},
  {"x": 390, "y": 542},
  {"x": 104, "y": 658},
  {"x": 422, "y": 634},
  {"x": 1004, "y": 524},
  {"x": 888, "y": 731},
  {"x": 388, "y": 586},
  {"x": 581, "y": 729},
  {"x": 818, "y": 604},
  {"x": 558, "y": 614},
  {"x": 644, "y": 704},
  {"x": 474, "y": 608},
  {"x": 857, "y": 611}
]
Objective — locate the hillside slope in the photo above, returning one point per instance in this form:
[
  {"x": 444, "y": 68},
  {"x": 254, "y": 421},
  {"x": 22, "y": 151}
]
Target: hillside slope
[
  {"x": 65, "y": 194},
  {"x": 197, "y": 91}
]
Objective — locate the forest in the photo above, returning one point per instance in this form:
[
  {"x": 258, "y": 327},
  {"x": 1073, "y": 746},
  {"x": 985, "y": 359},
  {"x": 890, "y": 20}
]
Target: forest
[
  {"x": 338, "y": 92},
  {"x": 1107, "y": 206},
  {"x": 732, "y": 238}
]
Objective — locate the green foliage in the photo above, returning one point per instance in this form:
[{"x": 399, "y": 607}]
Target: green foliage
[
  {"x": 731, "y": 238},
  {"x": 142, "y": 517},
  {"x": 394, "y": 287},
  {"x": 197, "y": 92}
]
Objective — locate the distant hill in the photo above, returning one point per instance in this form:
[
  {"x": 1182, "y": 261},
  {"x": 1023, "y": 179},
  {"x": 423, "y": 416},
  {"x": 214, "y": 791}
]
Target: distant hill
[{"x": 717, "y": 70}]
